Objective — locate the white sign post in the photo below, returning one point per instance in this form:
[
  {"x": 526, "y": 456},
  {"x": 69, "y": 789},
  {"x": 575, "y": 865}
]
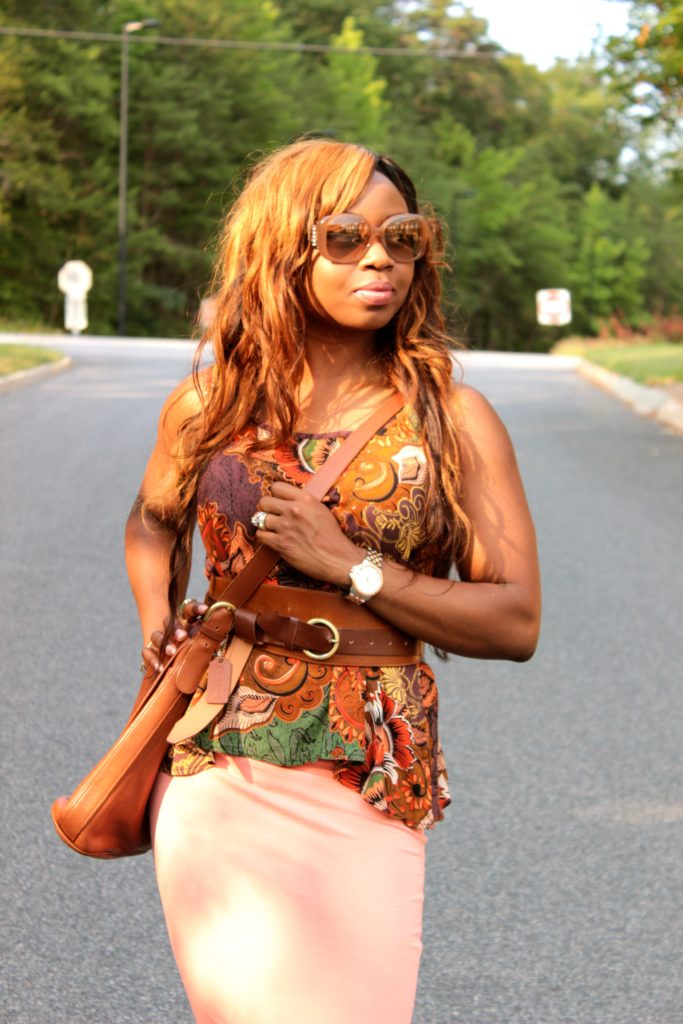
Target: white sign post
[
  {"x": 75, "y": 281},
  {"x": 554, "y": 307}
]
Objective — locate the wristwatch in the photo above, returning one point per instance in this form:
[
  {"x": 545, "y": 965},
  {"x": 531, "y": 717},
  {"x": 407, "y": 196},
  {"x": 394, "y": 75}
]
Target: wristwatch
[{"x": 366, "y": 577}]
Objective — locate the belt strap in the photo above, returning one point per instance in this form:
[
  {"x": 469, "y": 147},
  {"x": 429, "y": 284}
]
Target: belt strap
[{"x": 307, "y": 623}]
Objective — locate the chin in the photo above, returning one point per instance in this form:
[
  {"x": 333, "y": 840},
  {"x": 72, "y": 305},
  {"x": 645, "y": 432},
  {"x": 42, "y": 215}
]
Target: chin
[{"x": 370, "y": 319}]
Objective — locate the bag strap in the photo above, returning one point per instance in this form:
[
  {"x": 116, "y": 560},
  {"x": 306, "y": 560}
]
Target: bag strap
[{"x": 242, "y": 586}]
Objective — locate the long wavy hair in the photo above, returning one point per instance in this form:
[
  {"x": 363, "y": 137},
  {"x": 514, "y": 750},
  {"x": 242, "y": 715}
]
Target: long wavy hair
[{"x": 262, "y": 287}]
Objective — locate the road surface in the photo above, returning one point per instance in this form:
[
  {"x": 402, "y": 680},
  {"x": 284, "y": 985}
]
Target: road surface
[{"x": 554, "y": 885}]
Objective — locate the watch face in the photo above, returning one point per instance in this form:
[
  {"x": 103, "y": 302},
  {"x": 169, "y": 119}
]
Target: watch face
[{"x": 367, "y": 578}]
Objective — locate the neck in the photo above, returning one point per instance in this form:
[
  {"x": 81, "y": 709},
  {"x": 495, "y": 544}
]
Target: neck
[
  {"x": 338, "y": 355},
  {"x": 340, "y": 380}
]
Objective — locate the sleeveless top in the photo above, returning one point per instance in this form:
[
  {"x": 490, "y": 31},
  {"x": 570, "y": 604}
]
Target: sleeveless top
[{"x": 384, "y": 743}]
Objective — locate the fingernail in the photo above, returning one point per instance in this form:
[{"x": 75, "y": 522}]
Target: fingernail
[
  {"x": 170, "y": 648},
  {"x": 157, "y": 666}
]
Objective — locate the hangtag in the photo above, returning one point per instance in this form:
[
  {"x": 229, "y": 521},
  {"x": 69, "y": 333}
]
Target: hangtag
[{"x": 218, "y": 681}]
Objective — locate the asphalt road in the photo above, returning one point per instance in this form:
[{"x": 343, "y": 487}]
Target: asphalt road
[{"x": 554, "y": 885}]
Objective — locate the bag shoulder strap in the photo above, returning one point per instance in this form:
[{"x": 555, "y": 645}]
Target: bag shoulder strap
[{"x": 255, "y": 571}]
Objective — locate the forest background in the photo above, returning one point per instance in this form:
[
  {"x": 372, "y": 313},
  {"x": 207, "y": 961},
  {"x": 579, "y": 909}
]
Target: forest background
[{"x": 569, "y": 177}]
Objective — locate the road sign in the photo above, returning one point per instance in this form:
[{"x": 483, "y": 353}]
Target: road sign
[
  {"x": 554, "y": 307},
  {"x": 75, "y": 278},
  {"x": 75, "y": 281}
]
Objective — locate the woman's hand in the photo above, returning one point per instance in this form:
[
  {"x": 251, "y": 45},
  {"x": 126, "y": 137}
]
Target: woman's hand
[
  {"x": 151, "y": 657},
  {"x": 307, "y": 535}
]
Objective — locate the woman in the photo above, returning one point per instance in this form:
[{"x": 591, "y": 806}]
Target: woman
[{"x": 289, "y": 831}]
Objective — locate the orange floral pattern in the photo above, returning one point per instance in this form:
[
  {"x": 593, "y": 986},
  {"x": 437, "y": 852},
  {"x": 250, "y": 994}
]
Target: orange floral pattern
[{"x": 379, "y": 725}]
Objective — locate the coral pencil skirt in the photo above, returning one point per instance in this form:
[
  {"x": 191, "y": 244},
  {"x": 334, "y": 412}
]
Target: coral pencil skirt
[{"x": 287, "y": 898}]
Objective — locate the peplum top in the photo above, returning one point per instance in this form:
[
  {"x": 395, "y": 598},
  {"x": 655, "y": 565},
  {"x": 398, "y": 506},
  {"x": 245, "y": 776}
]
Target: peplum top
[{"x": 383, "y": 739}]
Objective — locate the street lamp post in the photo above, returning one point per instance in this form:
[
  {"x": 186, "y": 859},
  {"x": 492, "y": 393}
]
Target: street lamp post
[{"x": 130, "y": 26}]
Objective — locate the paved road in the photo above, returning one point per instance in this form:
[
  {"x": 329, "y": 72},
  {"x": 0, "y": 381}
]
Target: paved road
[{"x": 554, "y": 891}]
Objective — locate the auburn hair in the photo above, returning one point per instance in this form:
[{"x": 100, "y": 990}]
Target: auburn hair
[{"x": 260, "y": 283}]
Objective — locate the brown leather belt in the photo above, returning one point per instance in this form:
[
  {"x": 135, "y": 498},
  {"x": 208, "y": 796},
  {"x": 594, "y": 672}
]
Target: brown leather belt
[{"x": 317, "y": 626}]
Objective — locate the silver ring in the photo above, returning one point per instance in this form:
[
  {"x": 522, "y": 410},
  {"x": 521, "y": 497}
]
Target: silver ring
[{"x": 259, "y": 520}]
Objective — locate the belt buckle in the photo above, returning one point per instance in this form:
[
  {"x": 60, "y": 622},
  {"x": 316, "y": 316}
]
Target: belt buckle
[
  {"x": 214, "y": 608},
  {"x": 335, "y": 640}
]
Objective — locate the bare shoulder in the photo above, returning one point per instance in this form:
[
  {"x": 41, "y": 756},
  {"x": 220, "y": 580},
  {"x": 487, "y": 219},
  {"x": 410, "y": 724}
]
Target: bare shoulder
[
  {"x": 480, "y": 429},
  {"x": 185, "y": 401}
]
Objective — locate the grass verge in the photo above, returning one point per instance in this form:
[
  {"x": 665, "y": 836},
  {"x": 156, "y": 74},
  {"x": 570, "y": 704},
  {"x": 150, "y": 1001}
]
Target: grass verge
[
  {"x": 10, "y": 325},
  {"x": 655, "y": 363},
  {"x": 23, "y": 357}
]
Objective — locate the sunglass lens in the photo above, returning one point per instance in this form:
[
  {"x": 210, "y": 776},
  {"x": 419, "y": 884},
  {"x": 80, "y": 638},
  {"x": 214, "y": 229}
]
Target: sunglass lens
[
  {"x": 344, "y": 239},
  {"x": 405, "y": 239}
]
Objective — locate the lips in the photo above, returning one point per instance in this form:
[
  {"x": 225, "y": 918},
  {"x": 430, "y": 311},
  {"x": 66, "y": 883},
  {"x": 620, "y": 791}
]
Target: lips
[{"x": 375, "y": 293}]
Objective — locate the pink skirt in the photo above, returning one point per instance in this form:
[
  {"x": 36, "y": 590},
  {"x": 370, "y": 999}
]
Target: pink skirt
[{"x": 287, "y": 897}]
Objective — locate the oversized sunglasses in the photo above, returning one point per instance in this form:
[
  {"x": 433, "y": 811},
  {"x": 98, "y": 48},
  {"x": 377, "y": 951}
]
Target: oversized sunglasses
[{"x": 346, "y": 237}]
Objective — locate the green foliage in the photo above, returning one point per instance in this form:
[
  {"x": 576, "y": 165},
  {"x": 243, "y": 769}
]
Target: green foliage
[
  {"x": 526, "y": 168},
  {"x": 610, "y": 263},
  {"x": 648, "y": 62},
  {"x": 57, "y": 198},
  {"x": 354, "y": 94},
  {"x": 510, "y": 238}
]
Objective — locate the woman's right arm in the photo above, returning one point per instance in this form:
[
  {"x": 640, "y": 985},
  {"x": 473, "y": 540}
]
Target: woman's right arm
[{"x": 149, "y": 541}]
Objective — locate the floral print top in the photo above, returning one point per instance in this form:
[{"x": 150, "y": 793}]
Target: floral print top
[{"x": 382, "y": 737}]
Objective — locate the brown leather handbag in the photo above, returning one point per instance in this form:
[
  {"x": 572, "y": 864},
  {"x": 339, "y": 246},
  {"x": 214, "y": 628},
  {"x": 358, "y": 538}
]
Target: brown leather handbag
[{"x": 106, "y": 815}]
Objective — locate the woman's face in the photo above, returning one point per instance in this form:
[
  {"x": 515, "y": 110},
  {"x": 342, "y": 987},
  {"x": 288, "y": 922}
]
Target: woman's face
[{"x": 365, "y": 295}]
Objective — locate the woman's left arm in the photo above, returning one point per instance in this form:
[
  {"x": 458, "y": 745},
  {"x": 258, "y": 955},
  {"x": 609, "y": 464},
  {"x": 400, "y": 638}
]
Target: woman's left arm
[{"x": 494, "y": 609}]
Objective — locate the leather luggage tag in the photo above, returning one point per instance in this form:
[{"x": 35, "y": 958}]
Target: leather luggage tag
[{"x": 218, "y": 679}]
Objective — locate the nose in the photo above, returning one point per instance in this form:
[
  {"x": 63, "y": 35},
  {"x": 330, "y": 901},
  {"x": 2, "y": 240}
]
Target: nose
[{"x": 377, "y": 256}]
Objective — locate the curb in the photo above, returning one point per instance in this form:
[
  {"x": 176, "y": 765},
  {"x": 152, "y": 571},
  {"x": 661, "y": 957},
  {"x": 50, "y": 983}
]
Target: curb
[
  {"x": 21, "y": 379},
  {"x": 644, "y": 400}
]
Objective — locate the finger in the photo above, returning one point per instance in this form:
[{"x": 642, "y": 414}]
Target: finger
[
  {"x": 196, "y": 609},
  {"x": 276, "y": 505},
  {"x": 264, "y": 520},
  {"x": 270, "y": 539},
  {"x": 270, "y": 524},
  {"x": 150, "y": 659},
  {"x": 283, "y": 490},
  {"x": 285, "y": 507},
  {"x": 154, "y": 647},
  {"x": 190, "y": 610},
  {"x": 183, "y": 625}
]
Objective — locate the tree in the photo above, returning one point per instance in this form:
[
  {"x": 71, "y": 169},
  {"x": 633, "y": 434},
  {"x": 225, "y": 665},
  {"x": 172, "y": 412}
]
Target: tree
[
  {"x": 542, "y": 178},
  {"x": 648, "y": 61},
  {"x": 58, "y": 177},
  {"x": 654, "y": 209},
  {"x": 353, "y": 93},
  {"x": 609, "y": 265},
  {"x": 584, "y": 132},
  {"x": 196, "y": 116}
]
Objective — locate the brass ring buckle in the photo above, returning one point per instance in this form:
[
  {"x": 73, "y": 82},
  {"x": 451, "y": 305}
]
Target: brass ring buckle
[
  {"x": 214, "y": 607},
  {"x": 335, "y": 640}
]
